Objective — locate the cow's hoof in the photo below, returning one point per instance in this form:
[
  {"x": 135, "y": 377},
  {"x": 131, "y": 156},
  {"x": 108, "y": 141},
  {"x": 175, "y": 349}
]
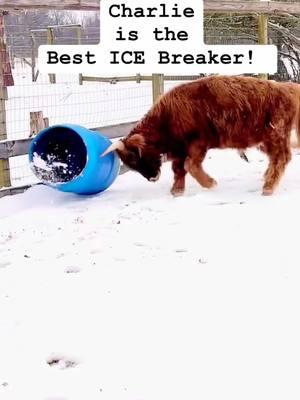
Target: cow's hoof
[
  {"x": 267, "y": 192},
  {"x": 209, "y": 183},
  {"x": 213, "y": 183},
  {"x": 177, "y": 192}
]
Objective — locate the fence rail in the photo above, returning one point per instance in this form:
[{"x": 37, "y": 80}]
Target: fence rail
[
  {"x": 210, "y": 6},
  {"x": 13, "y": 190},
  {"x": 138, "y": 78},
  {"x": 243, "y": 7},
  {"x": 82, "y": 5},
  {"x": 20, "y": 147}
]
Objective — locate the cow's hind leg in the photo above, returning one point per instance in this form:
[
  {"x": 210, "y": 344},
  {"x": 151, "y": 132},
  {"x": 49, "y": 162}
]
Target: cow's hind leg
[
  {"x": 179, "y": 177},
  {"x": 193, "y": 165},
  {"x": 279, "y": 156}
]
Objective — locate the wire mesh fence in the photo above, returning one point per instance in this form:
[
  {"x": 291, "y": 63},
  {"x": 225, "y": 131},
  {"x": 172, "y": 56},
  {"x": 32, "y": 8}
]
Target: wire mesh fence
[{"x": 91, "y": 104}]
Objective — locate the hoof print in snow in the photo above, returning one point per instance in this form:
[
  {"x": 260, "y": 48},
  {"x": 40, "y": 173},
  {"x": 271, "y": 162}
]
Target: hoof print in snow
[
  {"x": 95, "y": 251},
  {"x": 73, "y": 269},
  {"x": 180, "y": 250},
  {"x": 78, "y": 220},
  {"x": 60, "y": 255},
  {"x": 202, "y": 261},
  {"x": 4, "y": 264},
  {"x": 4, "y": 384},
  {"x": 61, "y": 362},
  {"x": 139, "y": 244}
]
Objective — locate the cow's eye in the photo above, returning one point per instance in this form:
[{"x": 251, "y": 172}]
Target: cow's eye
[{"x": 132, "y": 158}]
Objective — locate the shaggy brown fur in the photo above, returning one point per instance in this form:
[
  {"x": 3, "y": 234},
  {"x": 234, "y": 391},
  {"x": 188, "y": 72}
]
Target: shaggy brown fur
[
  {"x": 294, "y": 89},
  {"x": 213, "y": 113}
]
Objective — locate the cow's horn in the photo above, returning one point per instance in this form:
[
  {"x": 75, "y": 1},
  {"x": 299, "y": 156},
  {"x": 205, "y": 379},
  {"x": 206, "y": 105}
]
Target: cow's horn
[{"x": 118, "y": 145}]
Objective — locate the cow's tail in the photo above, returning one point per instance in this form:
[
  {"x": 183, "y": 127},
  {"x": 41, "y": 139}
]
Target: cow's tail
[
  {"x": 296, "y": 124},
  {"x": 297, "y": 127},
  {"x": 243, "y": 155}
]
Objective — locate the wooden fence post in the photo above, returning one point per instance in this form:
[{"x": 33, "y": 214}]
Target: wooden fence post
[
  {"x": 263, "y": 35},
  {"x": 79, "y": 41},
  {"x": 32, "y": 57},
  {"x": 11, "y": 57},
  {"x": 4, "y": 163},
  {"x": 157, "y": 86},
  {"x": 6, "y": 79},
  {"x": 37, "y": 122},
  {"x": 50, "y": 40}
]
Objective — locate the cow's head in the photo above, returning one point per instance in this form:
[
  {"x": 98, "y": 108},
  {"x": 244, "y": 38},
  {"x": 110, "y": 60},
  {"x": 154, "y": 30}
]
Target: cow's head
[{"x": 138, "y": 155}]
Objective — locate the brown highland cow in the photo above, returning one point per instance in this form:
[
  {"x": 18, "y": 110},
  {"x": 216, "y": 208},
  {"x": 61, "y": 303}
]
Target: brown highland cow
[{"x": 215, "y": 112}]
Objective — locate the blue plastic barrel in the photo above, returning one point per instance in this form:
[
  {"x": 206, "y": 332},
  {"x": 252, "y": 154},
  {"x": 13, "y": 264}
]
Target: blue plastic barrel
[{"x": 67, "y": 157}]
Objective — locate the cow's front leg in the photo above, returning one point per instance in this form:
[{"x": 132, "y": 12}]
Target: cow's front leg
[{"x": 179, "y": 177}]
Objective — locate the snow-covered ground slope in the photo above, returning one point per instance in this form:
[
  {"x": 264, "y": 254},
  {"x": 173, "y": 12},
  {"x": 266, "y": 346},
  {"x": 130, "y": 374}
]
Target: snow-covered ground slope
[{"x": 132, "y": 294}]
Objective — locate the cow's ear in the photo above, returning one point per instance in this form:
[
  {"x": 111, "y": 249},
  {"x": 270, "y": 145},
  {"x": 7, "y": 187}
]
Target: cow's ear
[{"x": 136, "y": 142}]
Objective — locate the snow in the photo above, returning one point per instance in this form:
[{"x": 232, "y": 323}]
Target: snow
[
  {"x": 50, "y": 170},
  {"x": 133, "y": 294},
  {"x": 49, "y": 164},
  {"x": 40, "y": 163}
]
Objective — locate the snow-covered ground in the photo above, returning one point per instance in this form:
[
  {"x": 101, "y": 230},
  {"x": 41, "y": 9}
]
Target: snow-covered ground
[{"x": 132, "y": 294}]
